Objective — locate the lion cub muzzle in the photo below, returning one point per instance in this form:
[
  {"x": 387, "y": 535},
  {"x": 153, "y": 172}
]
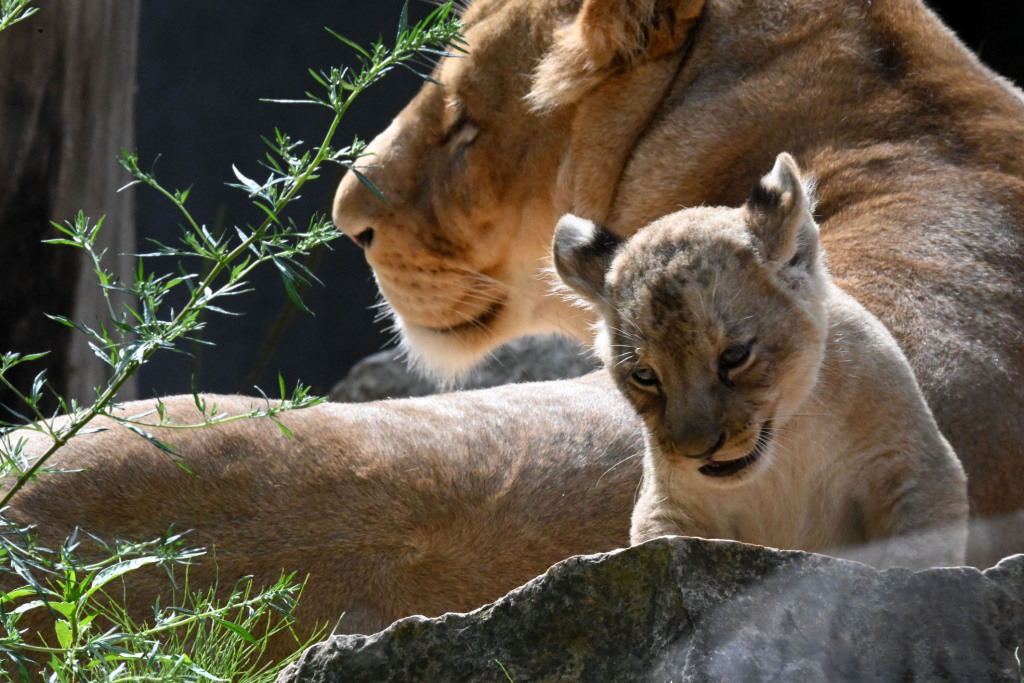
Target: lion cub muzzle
[{"x": 729, "y": 468}]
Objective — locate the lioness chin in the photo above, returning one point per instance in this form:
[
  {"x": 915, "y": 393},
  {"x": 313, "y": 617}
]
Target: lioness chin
[{"x": 778, "y": 411}]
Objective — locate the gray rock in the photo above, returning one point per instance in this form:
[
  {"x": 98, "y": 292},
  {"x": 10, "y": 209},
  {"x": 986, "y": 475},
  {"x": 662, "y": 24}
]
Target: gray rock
[
  {"x": 380, "y": 376},
  {"x": 529, "y": 359},
  {"x": 684, "y": 609}
]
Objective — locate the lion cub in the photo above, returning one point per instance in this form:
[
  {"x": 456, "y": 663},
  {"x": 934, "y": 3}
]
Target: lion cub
[{"x": 778, "y": 411}]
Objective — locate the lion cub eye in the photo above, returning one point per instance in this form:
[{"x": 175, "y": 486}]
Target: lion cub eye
[
  {"x": 644, "y": 377},
  {"x": 734, "y": 357}
]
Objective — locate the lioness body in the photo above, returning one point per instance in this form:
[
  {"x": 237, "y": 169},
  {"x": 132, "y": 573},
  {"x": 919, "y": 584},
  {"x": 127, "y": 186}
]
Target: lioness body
[
  {"x": 416, "y": 506},
  {"x": 778, "y": 410},
  {"x": 624, "y": 112}
]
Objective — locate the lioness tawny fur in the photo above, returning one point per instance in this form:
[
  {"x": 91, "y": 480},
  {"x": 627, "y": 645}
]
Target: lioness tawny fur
[
  {"x": 778, "y": 411},
  {"x": 390, "y": 508}
]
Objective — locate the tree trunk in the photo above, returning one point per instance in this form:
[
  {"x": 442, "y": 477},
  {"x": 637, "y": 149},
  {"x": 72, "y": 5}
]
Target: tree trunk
[{"x": 67, "y": 87}]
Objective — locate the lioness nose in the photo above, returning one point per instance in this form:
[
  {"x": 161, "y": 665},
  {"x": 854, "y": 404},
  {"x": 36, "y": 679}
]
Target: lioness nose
[
  {"x": 363, "y": 239},
  {"x": 360, "y": 211},
  {"x": 356, "y": 210}
]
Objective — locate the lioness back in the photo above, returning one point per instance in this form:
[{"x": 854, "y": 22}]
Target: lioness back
[
  {"x": 778, "y": 410},
  {"x": 390, "y": 508}
]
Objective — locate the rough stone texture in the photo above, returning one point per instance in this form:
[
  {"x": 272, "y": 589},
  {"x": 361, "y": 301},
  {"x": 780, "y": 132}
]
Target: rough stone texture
[
  {"x": 685, "y": 609},
  {"x": 529, "y": 359}
]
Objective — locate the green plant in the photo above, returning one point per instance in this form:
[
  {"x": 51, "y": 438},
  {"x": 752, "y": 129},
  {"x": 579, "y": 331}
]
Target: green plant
[
  {"x": 94, "y": 638},
  {"x": 13, "y": 11},
  {"x": 195, "y": 637},
  {"x": 138, "y": 332},
  {"x": 504, "y": 671}
]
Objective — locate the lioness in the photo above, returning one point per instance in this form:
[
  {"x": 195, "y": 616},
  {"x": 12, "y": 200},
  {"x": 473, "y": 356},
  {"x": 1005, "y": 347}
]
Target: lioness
[
  {"x": 622, "y": 112},
  {"x": 778, "y": 410}
]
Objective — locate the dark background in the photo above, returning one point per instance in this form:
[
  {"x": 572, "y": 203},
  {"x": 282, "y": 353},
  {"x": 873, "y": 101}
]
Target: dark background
[{"x": 203, "y": 67}]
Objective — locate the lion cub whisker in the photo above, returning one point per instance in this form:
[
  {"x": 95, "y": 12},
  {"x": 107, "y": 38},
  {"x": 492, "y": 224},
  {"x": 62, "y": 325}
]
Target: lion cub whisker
[
  {"x": 622, "y": 461},
  {"x": 778, "y": 411}
]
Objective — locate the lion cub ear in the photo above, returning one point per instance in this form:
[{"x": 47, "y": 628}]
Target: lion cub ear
[
  {"x": 608, "y": 34},
  {"x": 583, "y": 252},
  {"x": 779, "y": 216}
]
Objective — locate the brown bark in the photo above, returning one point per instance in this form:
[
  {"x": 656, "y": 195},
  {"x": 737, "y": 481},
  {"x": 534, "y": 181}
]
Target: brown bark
[{"x": 67, "y": 84}]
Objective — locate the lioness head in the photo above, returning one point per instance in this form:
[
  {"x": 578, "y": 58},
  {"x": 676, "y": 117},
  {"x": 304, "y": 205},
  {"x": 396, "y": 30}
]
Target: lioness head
[
  {"x": 460, "y": 250},
  {"x": 712, "y": 322}
]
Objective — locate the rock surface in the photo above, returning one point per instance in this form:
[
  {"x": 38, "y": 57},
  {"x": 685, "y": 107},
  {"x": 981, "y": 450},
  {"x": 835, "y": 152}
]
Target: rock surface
[
  {"x": 529, "y": 359},
  {"x": 680, "y": 609}
]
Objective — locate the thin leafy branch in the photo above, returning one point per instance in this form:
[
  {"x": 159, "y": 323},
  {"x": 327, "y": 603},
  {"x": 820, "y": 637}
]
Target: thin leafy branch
[
  {"x": 137, "y": 332},
  {"x": 13, "y": 11},
  {"x": 196, "y": 636},
  {"x": 94, "y": 638}
]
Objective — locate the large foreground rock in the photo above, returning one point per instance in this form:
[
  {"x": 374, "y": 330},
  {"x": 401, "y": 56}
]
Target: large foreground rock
[{"x": 690, "y": 610}]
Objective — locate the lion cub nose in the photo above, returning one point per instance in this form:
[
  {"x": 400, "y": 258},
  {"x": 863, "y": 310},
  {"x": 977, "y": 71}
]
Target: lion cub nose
[{"x": 691, "y": 446}]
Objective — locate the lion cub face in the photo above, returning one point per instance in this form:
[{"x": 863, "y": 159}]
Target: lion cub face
[{"x": 712, "y": 322}]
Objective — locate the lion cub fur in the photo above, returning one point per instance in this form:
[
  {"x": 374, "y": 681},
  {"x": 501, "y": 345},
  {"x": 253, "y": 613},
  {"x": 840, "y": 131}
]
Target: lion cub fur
[{"x": 778, "y": 411}]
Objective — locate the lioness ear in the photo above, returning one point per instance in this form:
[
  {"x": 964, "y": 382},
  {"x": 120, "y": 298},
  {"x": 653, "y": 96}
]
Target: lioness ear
[
  {"x": 583, "y": 252},
  {"x": 607, "y": 34},
  {"x": 779, "y": 215}
]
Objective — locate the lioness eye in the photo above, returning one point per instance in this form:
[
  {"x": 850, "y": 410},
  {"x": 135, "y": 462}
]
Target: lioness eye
[
  {"x": 735, "y": 356},
  {"x": 462, "y": 133},
  {"x": 644, "y": 377}
]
